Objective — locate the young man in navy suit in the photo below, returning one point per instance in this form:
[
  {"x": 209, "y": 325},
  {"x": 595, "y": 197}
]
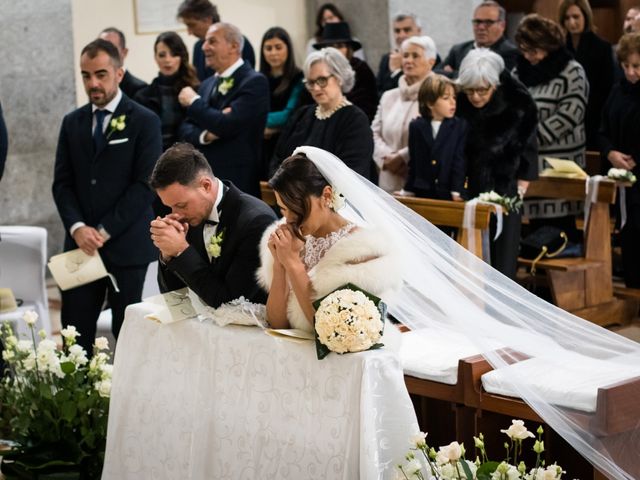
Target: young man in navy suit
[
  {"x": 210, "y": 240},
  {"x": 226, "y": 120},
  {"x": 106, "y": 152}
]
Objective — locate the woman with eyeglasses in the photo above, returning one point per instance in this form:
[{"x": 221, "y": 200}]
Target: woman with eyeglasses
[
  {"x": 501, "y": 147},
  {"x": 594, "y": 54},
  {"x": 397, "y": 108},
  {"x": 559, "y": 86},
  {"x": 332, "y": 123}
]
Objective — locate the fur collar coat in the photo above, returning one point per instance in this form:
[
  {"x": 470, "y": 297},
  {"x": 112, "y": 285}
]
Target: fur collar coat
[{"x": 364, "y": 258}]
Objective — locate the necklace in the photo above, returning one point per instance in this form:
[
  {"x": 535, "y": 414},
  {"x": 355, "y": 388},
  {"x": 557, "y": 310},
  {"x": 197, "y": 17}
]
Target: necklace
[{"x": 324, "y": 114}]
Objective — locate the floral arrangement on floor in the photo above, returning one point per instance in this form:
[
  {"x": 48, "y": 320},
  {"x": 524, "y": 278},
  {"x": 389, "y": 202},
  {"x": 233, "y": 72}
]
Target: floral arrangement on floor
[
  {"x": 621, "y": 175},
  {"x": 348, "y": 320},
  {"x": 510, "y": 204},
  {"x": 449, "y": 462},
  {"x": 54, "y": 405}
]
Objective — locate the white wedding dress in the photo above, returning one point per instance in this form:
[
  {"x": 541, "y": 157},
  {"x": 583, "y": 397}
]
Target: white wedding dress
[{"x": 447, "y": 290}]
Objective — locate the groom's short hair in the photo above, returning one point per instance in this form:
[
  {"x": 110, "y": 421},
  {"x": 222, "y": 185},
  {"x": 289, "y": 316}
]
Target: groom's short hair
[{"x": 182, "y": 163}]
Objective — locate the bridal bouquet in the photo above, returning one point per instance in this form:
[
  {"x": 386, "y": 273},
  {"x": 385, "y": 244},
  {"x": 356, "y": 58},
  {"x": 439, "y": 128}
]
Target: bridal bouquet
[
  {"x": 348, "y": 320},
  {"x": 509, "y": 204},
  {"x": 449, "y": 462},
  {"x": 621, "y": 175},
  {"x": 54, "y": 405}
]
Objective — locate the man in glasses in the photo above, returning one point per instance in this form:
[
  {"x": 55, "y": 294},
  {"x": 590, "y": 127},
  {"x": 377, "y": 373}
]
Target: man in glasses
[{"x": 488, "y": 32}]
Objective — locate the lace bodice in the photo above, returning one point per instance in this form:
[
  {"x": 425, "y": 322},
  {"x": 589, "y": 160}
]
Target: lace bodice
[{"x": 315, "y": 248}]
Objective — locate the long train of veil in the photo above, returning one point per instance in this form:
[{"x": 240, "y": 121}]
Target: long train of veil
[{"x": 447, "y": 288}]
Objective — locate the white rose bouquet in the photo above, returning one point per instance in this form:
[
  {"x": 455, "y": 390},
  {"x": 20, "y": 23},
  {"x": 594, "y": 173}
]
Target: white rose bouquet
[
  {"x": 510, "y": 204},
  {"x": 348, "y": 320},
  {"x": 449, "y": 462},
  {"x": 621, "y": 175},
  {"x": 53, "y": 404}
]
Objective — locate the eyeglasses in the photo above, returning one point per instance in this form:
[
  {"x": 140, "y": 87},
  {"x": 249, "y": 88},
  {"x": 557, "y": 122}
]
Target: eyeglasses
[
  {"x": 320, "y": 81},
  {"x": 481, "y": 91},
  {"x": 487, "y": 23}
]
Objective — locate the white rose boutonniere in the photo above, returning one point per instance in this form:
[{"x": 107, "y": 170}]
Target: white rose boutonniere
[
  {"x": 117, "y": 124},
  {"x": 215, "y": 245},
  {"x": 225, "y": 85}
]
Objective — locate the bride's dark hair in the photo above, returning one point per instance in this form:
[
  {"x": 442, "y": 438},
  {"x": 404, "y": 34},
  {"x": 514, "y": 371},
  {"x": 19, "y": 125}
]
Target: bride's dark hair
[{"x": 296, "y": 180}]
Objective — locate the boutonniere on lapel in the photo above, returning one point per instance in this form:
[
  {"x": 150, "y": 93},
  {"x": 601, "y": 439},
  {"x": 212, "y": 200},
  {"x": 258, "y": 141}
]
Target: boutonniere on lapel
[
  {"x": 226, "y": 84},
  {"x": 215, "y": 244},
  {"x": 117, "y": 124}
]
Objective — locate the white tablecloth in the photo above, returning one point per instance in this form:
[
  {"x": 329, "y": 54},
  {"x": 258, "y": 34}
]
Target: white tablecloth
[{"x": 191, "y": 400}]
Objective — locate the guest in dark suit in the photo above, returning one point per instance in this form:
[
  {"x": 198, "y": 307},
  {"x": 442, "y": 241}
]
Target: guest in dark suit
[
  {"x": 210, "y": 241},
  {"x": 105, "y": 154},
  {"x": 489, "y": 23},
  {"x": 405, "y": 25},
  {"x": 595, "y": 55},
  {"x": 333, "y": 123},
  {"x": 364, "y": 93},
  {"x": 129, "y": 84},
  {"x": 175, "y": 73},
  {"x": 227, "y": 120},
  {"x": 198, "y": 16},
  {"x": 4, "y": 143},
  {"x": 436, "y": 143}
]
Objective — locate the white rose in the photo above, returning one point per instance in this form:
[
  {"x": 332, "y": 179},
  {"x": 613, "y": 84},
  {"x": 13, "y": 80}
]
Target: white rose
[
  {"x": 30, "y": 317},
  {"x": 102, "y": 343},
  {"x": 47, "y": 345},
  {"x": 70, "y": 332},
  {"x": 107, "y": 371},
  {"x": 517, "y": 431},
  {"x": 104, "y": 388},
  {"x": 24, "y": 346},
  {"x": 451, "y": 452},
  {"x": 413, "y": 467}
]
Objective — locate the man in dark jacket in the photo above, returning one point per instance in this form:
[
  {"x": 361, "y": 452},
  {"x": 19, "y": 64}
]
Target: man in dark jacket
[
  {"x": 130, "y": 84},
  {"x": 404, "y": 26},
  {"x": 489, "y": 23}
]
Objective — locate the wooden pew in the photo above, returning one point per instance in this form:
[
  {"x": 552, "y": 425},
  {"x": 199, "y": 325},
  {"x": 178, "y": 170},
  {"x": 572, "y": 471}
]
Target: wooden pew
[
  {"x": 448, "y": 213},
  {"x": 582, "y": 285}
]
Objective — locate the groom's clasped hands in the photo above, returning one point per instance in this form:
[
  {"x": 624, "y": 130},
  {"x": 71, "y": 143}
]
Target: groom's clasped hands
[{"x": 169, "y": 235}]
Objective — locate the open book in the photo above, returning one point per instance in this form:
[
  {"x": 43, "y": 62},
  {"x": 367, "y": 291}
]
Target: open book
[
  {"x": 75, "y": 268},
  {"x": 563, "y": 168}
]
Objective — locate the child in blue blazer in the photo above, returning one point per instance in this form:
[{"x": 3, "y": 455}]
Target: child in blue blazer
[{"x": 436, "y": 143}]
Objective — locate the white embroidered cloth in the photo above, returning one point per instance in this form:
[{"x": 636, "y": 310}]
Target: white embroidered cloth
[{"x": 191, "y": 400}]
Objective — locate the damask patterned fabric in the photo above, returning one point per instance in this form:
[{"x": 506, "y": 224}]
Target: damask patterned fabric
[{"x": 191, "y": 400}]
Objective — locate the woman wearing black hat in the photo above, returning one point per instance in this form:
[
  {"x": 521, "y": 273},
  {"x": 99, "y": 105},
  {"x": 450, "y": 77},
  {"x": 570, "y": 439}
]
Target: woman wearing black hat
[{"x": 364, "y": 93}]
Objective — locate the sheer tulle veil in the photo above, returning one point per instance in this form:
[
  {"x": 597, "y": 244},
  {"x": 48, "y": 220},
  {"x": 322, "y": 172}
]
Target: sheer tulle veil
[{"x": 447, "y": 288}]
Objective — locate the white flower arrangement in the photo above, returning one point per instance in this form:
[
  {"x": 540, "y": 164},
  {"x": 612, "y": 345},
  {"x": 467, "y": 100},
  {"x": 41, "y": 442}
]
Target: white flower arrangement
[
  {"x": 508, "y": 203},
  {"x": 225, "y": 85},
  {"x": 449, "y": 462},
  {"x": 348, "y": 320},
  {"x": 621, "y": 175},
  {"x": 54, "y": 403},
  {"x": 117, "y": 124},
  {"x": 214, "y": 248}
]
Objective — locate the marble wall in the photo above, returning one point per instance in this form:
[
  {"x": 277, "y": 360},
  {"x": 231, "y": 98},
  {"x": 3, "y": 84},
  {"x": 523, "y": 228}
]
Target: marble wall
[{"x": 36, "y": 90}]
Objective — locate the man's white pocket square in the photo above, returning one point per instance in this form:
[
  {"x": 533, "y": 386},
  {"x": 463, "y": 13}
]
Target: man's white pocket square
[{"x": 118, "y": 140}]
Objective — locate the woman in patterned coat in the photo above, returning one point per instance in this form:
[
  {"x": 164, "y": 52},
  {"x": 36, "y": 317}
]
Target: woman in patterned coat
[{"x": 558, "y": 85}]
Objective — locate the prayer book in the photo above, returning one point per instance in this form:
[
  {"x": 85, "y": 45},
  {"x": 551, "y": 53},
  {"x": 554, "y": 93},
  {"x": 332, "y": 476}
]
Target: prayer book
[{"x": 563, "y": 168}]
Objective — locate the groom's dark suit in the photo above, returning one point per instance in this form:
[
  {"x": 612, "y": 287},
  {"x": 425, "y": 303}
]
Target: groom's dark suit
[
  {"x": 243, "y": 219},
  {"x": 236, "y": 155},
  {"x": 108, "y": 187}
]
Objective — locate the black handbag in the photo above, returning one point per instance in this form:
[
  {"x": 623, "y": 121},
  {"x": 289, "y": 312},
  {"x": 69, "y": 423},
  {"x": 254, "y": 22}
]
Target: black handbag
[{"x": 546, "y": 242}]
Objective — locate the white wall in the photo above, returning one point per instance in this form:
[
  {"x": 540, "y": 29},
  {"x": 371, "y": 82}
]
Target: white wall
[{"x": 253, "y": 17}]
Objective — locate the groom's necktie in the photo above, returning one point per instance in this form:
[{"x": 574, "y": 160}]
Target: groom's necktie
[{"x": 99, "y": 138}]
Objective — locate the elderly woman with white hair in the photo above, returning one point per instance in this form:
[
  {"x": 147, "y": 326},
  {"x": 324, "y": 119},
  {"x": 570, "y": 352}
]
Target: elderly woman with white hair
[
  {"x": 333, "y": 123},
  {"x": 397, "y": 108},
  {"x": 501, "y": 150}
]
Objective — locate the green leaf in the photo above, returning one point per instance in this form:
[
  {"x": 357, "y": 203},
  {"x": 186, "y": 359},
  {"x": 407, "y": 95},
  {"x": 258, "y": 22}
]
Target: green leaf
[
  {"x": 68, "y": 367},
  {"x": 486, "y": 469},
  {"x": 69, "y": 411},
  {"x": 467, "y": 470},
  {"x": 45, "y": 391}
]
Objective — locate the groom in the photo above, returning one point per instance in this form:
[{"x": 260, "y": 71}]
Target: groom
[{"x": 210, "y": 240}]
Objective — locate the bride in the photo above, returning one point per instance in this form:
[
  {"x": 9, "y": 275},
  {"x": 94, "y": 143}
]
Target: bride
[
  {"x": 379, "y": 245},
  {"x": 316, "y": 250}
]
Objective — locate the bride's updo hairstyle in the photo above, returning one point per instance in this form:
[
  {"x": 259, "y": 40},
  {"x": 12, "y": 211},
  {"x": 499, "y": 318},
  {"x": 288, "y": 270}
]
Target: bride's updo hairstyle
[{"x": 296, "y": 180}]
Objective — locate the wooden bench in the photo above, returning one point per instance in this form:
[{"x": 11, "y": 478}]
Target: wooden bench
[
  {"x": 582, "y": 285},
  {"x": 447, "y": 213}
]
